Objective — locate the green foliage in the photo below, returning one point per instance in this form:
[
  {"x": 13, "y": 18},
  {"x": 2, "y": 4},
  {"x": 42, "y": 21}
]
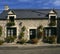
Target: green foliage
[
  {"x": 23, "y": 28},
  {"x": 22, "y": 41},
  {"x": 40, "y": 32},
  {"x": 1, "y": 42},
  {"x": 21, "y": 35},
  {"x": 10, "y": 23},
  {"x": 34, "y": 41},
  {"x": 40, "y": 27},
  {"x": 53, "y": 23},
  {"x": 39, "y": 35},
  {"x": 9, "y": 39},
  {"x": 50, "y": 39},
  {"x": 22, "y": 32},
  {"x": 0, "y": 30}
]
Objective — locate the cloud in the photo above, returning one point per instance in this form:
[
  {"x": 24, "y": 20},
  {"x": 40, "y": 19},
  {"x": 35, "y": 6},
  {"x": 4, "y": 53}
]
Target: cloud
[
  {"x": 31, "y": 1},
  {"x": 24, "y": 0},
  {"x": 56, "y": 3},
  {"x": 8, "y": 3}
]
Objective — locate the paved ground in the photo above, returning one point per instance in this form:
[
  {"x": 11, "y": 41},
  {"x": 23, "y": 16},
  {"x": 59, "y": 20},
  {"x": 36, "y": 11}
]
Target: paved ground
[
  {"x": 30, "y": 49},
  {"x": 27, "y": 45},
  {"x": 33, "y": 50}
]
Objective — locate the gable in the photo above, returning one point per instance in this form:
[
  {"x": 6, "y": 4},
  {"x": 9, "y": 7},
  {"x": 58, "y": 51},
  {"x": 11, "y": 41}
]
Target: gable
[
  {"x": 52, "y": 12},
  {"x": 10, "y": 12}
]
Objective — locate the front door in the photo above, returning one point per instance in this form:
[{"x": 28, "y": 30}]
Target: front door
[
  {"x": 32, "y": 33},
  {"x": 11, "y": 32}
]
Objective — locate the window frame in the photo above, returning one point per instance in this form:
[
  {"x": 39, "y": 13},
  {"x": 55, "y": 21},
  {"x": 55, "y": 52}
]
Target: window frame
[
  {"x": 10, "y": 31},
  {"x": 48, "y": 31},
  {"x": 11, "y": 19}
]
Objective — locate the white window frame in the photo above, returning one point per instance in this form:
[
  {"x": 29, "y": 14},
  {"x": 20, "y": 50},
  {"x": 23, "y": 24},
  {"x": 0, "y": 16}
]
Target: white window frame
[
  {"x": 29, "y": 31},
  {"x": 45, "y": 32},
  {"x": 51, "y": 14},
  {"x": 10, "y": 16},
  {"x": 9, "y": 32},
  {"x": 49, "y": 32}
]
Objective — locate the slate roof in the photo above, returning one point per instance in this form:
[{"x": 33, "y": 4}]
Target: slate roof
[{"x": 29, "y": 13}]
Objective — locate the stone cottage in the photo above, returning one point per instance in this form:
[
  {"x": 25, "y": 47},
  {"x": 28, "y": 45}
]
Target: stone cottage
[{"x": 31, "y": 19}]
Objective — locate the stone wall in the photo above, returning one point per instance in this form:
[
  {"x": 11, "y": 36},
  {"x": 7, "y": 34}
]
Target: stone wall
[
  {"x": 29, "y": 24},
  {"x": 3, "y": 24}
]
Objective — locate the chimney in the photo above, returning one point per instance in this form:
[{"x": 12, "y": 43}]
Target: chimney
[{"x": 6, "y": 7}]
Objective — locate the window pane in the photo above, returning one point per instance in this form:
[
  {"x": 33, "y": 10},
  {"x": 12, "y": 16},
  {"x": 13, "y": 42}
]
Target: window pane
[
  {"x": 49, "y": 32},
  {"x": 53, "y": 31},
  {"x": 53, "y": 17},
  {"x": 11, "y": 32},
  {"x": 11, "y": 18},
  {"x": 8, "y": 32}
]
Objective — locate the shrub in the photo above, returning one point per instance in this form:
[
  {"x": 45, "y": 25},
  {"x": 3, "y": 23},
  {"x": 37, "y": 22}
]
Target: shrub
[
  {"x": 10, "y": 23},
  {"x": 23, "y": 28},
  {"x": 22, "y": 32},
  {"x": 45, "y": 39},
  {"x": 21, "y": 35},
  {"x": 40, "y": 27},
  {"x": 34, "y": 41},
  {"x": 1, "y": 42},
  {"x": 39, "y": 35},
  {"x": 52, "y": 23},
  {"x": 50, "y": 39},
  {"x": 0, "y": 30},
  {"x": 40, "y": 32},
  {"x": 14, "y": 37},
  {"x": 9, "y": 39},
  {"x": 22, "y": 41}
]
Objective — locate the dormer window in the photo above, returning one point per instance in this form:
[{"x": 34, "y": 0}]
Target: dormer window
[
  {"x": 52, "y": 21},
  {"x": 11, "y": 15},
  {"x": 11, "y": 21},
  {"x": 52, "y": 18},
  {"x": 11, "y": 18}
]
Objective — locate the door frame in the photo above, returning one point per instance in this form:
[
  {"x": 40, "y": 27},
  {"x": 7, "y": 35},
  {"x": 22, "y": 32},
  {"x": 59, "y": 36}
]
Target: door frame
[{"x": 29, "y": 31}]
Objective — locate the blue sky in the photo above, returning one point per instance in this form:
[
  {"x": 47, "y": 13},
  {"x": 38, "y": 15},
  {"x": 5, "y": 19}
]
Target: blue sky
[{"x": 30, "y": 4}]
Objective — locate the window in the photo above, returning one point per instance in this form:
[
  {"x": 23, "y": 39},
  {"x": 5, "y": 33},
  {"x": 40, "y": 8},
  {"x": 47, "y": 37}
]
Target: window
[
  {"x": 32, "y": 33},
  {"x": 52, "y": 21},
  {"x": 50, "y": 31},
  {"x": 53, "y": 18},
  {"x": 8, "y": 32},
  {"x": 47, "y": 32},
  {"x": 11, "y": 18},
  {"x": 11, "y": 31}
]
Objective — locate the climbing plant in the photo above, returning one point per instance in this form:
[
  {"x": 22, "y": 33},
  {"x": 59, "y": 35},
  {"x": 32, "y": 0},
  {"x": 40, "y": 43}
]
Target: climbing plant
[
  {"x": 0, "y": 30},
  {"x": 40, "y": 31},
  {"x": 21, "y": 35},
  {"x": 22, "y": 32}
]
